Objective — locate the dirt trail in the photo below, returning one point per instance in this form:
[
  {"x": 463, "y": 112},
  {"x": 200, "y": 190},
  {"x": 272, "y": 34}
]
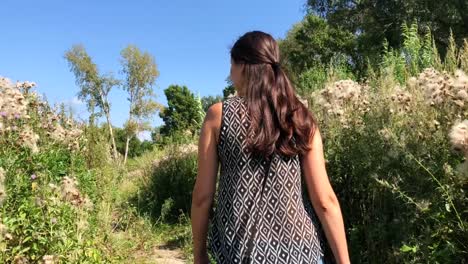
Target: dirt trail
[
  {"x": 161, "y": 254},
  {"x": 168, "y": 256}
]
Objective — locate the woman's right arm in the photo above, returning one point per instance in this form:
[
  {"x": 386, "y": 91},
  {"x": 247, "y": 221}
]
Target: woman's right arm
[{"x": 323, "y": 198}]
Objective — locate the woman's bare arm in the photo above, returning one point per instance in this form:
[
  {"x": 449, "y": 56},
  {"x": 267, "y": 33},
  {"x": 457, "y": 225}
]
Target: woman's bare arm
[
  {"x": 323, "y": 198},
  {"x": 205, "y": 185}
]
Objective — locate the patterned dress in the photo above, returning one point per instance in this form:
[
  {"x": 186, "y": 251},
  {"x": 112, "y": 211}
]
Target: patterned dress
[{"x": 260, "y": 219}]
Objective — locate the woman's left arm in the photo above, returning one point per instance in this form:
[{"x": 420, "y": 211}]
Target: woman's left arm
[{"x": 205, "y": 184}]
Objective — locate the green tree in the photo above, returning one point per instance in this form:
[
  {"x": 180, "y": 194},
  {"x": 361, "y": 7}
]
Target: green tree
[
  {"x": 156, "y": 134},
  {"x": 228, "y": 90},
  {"x": 141, "y": 72},
  {"x": 208, "y": 101},
  {"x": 94, "y": 87},
  {"x": 182, "y": 113},
  {"x": 313, "y": 43},
  {"x": 374, "y": 21},
  {"x": 136, "y": 146}
]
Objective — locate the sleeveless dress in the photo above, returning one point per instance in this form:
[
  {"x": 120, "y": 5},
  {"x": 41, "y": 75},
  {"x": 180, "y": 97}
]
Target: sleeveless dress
[{"x": 258, "y": 219}]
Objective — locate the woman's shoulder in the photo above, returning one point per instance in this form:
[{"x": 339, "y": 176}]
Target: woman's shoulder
[
  {"x": 226, "y": 105},
  {"x": 214, "y": 117},
  {"x": 215, "y": 110},
  {"x": 214, "y": 114}
]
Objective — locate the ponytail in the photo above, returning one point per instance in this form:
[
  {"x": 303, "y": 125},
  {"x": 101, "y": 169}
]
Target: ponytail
[{"x": 280, "y": 123}]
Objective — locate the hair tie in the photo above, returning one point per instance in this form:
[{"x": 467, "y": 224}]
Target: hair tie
[{"x": 275, "y": 65}]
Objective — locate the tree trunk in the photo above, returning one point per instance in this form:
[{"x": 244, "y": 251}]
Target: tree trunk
[
  {"x": 105, "y": 108},
  {"x": 126, "y": 149},
  {"x": 128, "y": 137},
  {"x": 111, "y": 132},
  {"x": 91, "y": 115}
]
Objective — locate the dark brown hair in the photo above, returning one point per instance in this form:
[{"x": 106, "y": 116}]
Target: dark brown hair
[{"x": 279, "y": 121}]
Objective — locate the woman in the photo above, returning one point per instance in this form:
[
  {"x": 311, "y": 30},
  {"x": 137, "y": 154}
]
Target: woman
[{"x": 273, "y": 182}]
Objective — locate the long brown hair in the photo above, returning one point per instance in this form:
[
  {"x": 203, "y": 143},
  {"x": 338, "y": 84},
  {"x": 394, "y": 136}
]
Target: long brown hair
[{"x": 279, "y": 121}]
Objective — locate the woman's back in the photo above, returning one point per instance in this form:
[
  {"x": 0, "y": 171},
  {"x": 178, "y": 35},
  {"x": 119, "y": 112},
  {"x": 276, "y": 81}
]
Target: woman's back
[{"x": 258, "y": 221}]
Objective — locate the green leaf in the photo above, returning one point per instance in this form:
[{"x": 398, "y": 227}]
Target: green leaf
[{"x": 406, "y": 248}]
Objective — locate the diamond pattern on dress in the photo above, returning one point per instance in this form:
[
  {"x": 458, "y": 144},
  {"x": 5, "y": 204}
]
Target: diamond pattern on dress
[{"x": 287, "y": 229}]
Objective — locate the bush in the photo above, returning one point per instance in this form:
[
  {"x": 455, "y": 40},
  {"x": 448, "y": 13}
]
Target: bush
[
  {"x": 168, "y": 192},
  {"x": 391, "y": 157},
  {"x": 47, "y": 195}
]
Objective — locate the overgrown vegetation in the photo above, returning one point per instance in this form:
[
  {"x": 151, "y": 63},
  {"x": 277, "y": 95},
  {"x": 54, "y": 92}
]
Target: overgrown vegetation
[{"x": 394, "y": 120}]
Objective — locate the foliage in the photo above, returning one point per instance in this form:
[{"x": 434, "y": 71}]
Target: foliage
[
  {"x": 136, "y": 146},
  {"x": 374, "y": 21},
  {"x": 201, "y": 112},
  {"x": 208, "y": 101},
  {"x": 229, "y": 89},
  {"x": 451, "y": 58},
  {"x": 182, "y": 115},
  {"x": 94, "y": 87},
  {"x": 316, "y": 77},
  {"x": 97, "y": 153},
  {"x": 392, "y": 112},
  {"x": 44, "y": 215},
  {"x": 463, "y": 56},
  {"x": 395, "y": 154},
  {"x": 417, "y": 53},
  {"x": 141, "y": 73},
  {"x": 312, "y": 43},
  {"x": 169, "y": 190}
]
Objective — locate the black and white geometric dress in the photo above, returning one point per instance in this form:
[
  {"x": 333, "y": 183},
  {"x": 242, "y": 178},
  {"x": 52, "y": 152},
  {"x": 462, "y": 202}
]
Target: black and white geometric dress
[{"x": 257, "y": 221}]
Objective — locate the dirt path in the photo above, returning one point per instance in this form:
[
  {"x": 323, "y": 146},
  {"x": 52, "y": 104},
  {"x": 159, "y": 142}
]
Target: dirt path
[
  {"x": 160, "y": 255},
  {"x": 168, "y": 256}
]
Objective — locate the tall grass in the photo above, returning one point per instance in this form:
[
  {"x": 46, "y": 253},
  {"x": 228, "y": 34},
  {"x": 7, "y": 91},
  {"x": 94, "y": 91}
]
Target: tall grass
[{"x": 396, "y": 150}]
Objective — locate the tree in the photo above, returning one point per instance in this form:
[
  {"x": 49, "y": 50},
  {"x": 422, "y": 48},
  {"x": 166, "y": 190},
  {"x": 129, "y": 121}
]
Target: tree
[
  {"x": 313, "y": 43},
  {"x": 156, "y": 134},
  {"x": 230, "y": 89},
  {"x": 182, "y": 113},
  {"x": 136, "y": 146},
  {"x": 94, "y": 87},
  {"x": 141, "y": 73},
  {"x": 208, "y": 101},
  {"x": 373, "y": 21}
]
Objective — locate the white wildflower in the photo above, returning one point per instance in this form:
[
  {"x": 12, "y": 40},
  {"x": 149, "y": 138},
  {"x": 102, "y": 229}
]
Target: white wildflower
[
  {"x": 71, "y": 193},
  {"x": 49, "y": 259},
  {"x": 462, "y": 95},
  {"x": 442, "y": 88},
  {"x": 29, "y": 139},
  {"x": 385, "y": 133},
  {"x": 459, "y": 137}
]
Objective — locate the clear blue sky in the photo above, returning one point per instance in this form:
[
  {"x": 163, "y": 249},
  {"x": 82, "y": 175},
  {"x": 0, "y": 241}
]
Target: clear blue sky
[{"x": 190, "y": 41}]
